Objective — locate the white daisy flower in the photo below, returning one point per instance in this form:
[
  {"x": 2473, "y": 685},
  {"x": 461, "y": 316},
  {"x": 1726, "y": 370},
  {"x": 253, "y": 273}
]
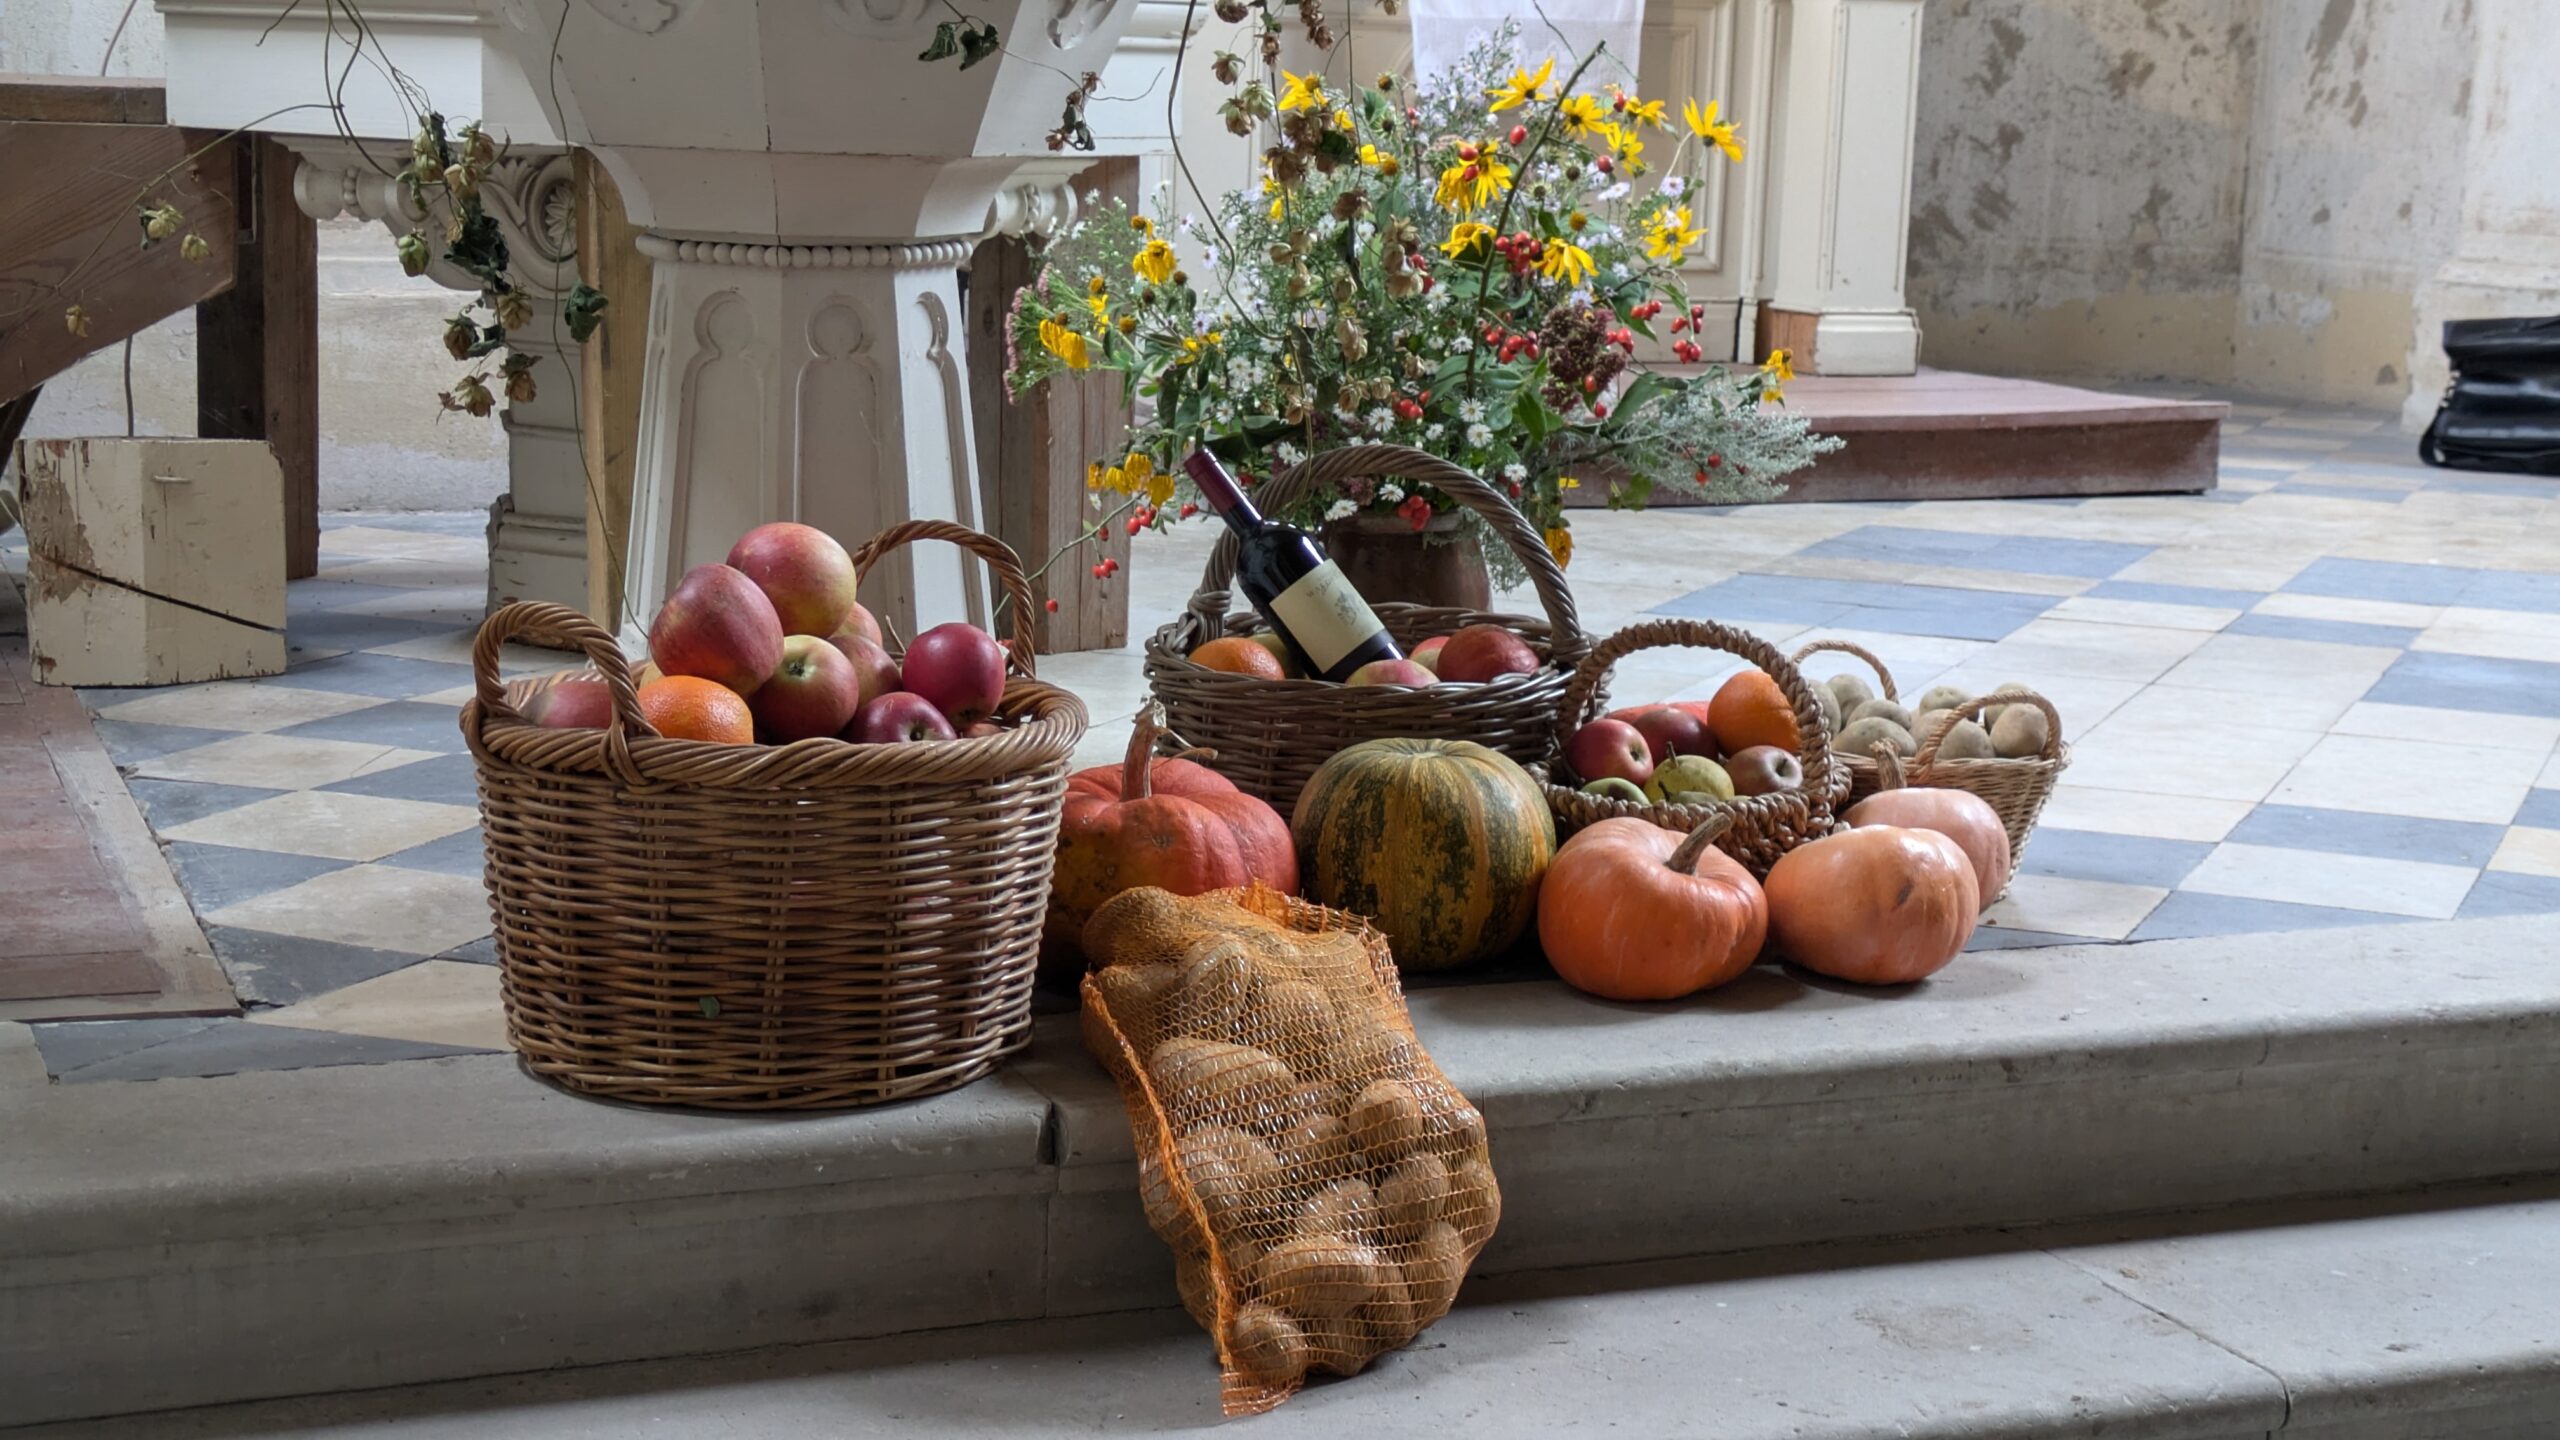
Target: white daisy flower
[
  {"x": 1342, "y": 509},
  {"x": 1382, "y": 419},
  {"x": 1471, "y": 410},
  {"x": 1434, "y": 431},
  {"x": 1515, "y": 472},
  {"x": 1391, "y": 493},
  {"x": 1287, "y": 454},
  {"x": 1672, "y": 186},
  {"x": 1462, "y": 345},
  {"x": 1479, "y": 435}
]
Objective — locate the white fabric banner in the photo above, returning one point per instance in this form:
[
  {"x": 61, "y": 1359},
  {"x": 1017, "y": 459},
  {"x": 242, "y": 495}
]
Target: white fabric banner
[{"x": 1444, "y": 30}]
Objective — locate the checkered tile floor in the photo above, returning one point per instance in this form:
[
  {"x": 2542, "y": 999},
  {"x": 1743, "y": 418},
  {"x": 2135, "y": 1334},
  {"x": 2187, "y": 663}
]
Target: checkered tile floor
[{"x": 2328, "y": 694}]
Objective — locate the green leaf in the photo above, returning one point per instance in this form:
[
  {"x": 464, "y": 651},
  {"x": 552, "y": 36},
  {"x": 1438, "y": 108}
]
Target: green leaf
[
  {"x": 1531, "y": 416},
  {"x": 946, "y": 42},
  {"x": 583, "y": 311},
  {"x": 710, "y": 1007},
  {"x": 1642, "y": 392},
  {"x": 977, "y": 43}
]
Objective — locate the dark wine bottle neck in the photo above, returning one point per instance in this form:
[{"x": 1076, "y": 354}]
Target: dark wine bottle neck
[{"x": 1221, "y": 491}]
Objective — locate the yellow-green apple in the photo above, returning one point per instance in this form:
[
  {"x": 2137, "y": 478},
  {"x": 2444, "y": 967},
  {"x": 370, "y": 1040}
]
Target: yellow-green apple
[
  {"x": 813, "y": 692},
  {"x": 1427, "y": 654},
  {"x": 1682, "y": 776},
  {"x": 1614, "y": 788},
  {"x": 1484, "y": 652},
  {"x": 1764, "y": 770},
  {"x": 1669, "y": 730},
  {"x": 1608, "y": 749},
  {"x": 898, "y": 717},
  {"x": 1392, "y": 672},
  {"x": 803, "y": 571},
  {"x": 960, "y": 668},
  {"x": 571, "y": 705},
  {"x": 876, "y": 668},
  {"x": 718, "y": 626}
]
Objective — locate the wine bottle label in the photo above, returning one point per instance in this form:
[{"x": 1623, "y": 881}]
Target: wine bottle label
[{"x": 1326, "y": 615}]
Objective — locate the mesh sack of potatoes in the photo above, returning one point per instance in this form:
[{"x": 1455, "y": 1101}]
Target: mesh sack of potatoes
[{"x": 1323, "y": 1187}]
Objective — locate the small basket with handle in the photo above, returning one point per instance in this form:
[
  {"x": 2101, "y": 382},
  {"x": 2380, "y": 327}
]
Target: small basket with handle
[{"x": 2015, "y": 789}]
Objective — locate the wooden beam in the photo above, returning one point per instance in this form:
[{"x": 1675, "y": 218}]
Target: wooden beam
[
  {"x": 85, "y": 99},
  {"x": 70, "y": 234},
  {"x": 258, "y": 347},
  {"x": 609, "y": 259}
]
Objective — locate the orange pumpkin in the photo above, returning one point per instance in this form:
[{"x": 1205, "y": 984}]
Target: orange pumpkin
[
  {"x": 1959, "y": 815},
  {"x": 1750, "y": 709},
  {"x": 1169, "y": 823},
  {"x": 1631, "y": 911},
  {"x": 1879, "y": 905}
]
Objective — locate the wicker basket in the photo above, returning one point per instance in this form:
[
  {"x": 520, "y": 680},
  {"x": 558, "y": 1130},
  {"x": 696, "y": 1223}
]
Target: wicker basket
[
  {"x": 1864, "y": 778},
  {"x": 1270, "y": 735},
  {"x": 2015, "y": 789},
  {"x": 807, "y": 926},
  {"x": 1764, "y": 826}
]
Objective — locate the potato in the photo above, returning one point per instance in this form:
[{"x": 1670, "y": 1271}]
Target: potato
[
  {"x": 1316, "y": 1149},
  {"x": 1850, "y": 691},
  {"x": 1411, "y": 1196},
  {"x": 1451, "y": 1124},
  {"x": 1218, "y": 1080},
  {"x": 1386, "y": 1121},
  {"x": 1391, "y": 1317},
  {"x": 1235, "y": 1175},
  {"x": 1317, "y": 1275},
  {"x": 1862, "y": 736},
  {"x": 1210, "y": 990},
  {"x": 1883, "y": 710},
  {"x": 1166, "y": 1214},
  {"x": 1266, "y": 1345},
  {"x": 1966, "y": 740},
  {"x": 1135, "y": 996},
  {"x": 1373, "y": 1048},
  {"x": 2020, "y": 732},
  {"x": 1433, "y": 1269},
  {"x": 1140, "y": 926},
  {"x": 1475, "y": 1202},
  {"x": 1191, "y": 1278},
  {"x": 1348, "y": 1208},
  {"x": 1292, "y": 1019},
  {"x": 1942, "y": 697}
]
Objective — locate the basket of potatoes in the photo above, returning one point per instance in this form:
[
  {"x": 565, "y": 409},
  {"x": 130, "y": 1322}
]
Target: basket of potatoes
[
  {"x": 1323, "y": 1187},
  {"x": 2005, "y": 748}
]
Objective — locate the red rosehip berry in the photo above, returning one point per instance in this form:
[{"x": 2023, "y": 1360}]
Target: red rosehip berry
[
  {"x": 1715, "y": 461},
  {"x": 1599, "y": 411},
  {"x": 1189, "y": 509},
  {"x": 1605, "y": 165},
  {"x": 1099, "y": 571},
  {"x": 1053, "y": 606},
  {"x": 1519, "y": 134}
]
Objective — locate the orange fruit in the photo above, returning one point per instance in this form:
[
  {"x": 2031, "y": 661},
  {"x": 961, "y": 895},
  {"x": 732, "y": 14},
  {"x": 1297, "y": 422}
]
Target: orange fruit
[
  {"x": 1751, "y": 710},
  {"x": 687, "y": 707},
  {"x": 1240, "y": 656}
]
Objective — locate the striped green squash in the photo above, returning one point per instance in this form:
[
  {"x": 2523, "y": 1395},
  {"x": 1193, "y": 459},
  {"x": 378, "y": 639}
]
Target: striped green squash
[{"x": 1441, "y": 842}]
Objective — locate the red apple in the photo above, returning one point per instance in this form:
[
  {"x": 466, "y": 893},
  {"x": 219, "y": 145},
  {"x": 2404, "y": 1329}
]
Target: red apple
[
  {"x": 859, "y": 621},
  {"x": 803, "y": 571},
  {"x": 876, "y": 668},
  {"x": 1393, "y": 672},
  {"x": 1764, "y": 770},
  {"x": 1607, "y": 749},
  {"x": 1427, "y": 654},
  {"x": 571, "y": 705},
  {"x": 981, "y": 730},
  {"x": 718, "y": 626},
  {"x": 960, "y": 668},
  {"x": 896, "y": 718},
  {"x": 1485, "y": 652},
  {"x": 813, "y": 692},
  {"x": 1670, "y": 731}
]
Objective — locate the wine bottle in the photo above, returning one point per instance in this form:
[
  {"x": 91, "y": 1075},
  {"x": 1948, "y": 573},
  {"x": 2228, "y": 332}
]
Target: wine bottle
[{"x": 1300, "y": 592}]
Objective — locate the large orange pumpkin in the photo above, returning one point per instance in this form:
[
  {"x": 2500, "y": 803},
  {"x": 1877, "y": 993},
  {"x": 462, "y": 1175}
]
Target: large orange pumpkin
[
  {"x": 1881, "y": 905},
  {"x": 1631, "y": 911},
  {"x": 1959, "y": 815},
  {"x": 1751, "y": 709},
  {"x": 1172, "y": 824}
]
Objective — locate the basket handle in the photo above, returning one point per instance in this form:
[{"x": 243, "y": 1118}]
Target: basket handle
[
  {"x": 1928, "y": 753},
  {"x": 1208, "y": 610},
  {"x": 1844, "y": 647},
  {"x": 1582, "y": 693},
  {"x": 562, "y": 628},
  {"x": 1000, "y": 559}
]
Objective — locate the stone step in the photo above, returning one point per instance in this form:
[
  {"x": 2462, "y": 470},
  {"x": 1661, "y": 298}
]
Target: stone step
[
  {"x": 2316, "y": 1323},
  {"x": 187, "y": 1242}
]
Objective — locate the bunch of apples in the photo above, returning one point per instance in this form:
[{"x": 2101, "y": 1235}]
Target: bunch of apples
[
  {"x": 773, "y": 647},
  {"x": 1668, "y": 754},
  {"x": 1470, "y": 656}
]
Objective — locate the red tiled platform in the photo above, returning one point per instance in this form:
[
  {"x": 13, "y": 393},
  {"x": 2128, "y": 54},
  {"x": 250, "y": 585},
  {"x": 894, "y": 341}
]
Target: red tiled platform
[{"x": 1948, "y": 435}]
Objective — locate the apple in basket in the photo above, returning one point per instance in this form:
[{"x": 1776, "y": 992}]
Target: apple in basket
[
  {"x": 813, "y": 692},
  {"x": 803, "y": 571},
  {"x": 1669, "y": 730},
  {"x": 719, "y": 627},
  {"x": 1484, "y": 652},
  {"x": 897, "y": 718},
  {"x": 1764, "y": 770},
  {"x": 874, "y": 668},
  {"x": 571, "y": 705},
  {"x": 1427, "y": 654},
  {"x": 960, "y": 668},
  {"x": 1393, "y": 672},
  {"x": 1609, "y": 750}
]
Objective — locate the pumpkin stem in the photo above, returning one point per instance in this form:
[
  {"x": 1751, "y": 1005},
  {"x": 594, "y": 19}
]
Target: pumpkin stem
[
  {"x": 1685, "y": 859},
  {"x": 1137, "y": 771}
]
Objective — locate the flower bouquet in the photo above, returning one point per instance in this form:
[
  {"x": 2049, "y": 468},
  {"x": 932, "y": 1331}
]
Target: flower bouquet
[{"x": 1463, "y": 267}]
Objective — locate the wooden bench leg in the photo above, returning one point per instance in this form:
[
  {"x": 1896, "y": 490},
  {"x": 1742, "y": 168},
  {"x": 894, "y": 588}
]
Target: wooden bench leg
[{"x": 258, "y": 345}]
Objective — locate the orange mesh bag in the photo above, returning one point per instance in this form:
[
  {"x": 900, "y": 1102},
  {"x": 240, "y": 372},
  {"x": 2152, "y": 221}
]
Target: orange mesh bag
[{"x": 1322, "y": 1185}]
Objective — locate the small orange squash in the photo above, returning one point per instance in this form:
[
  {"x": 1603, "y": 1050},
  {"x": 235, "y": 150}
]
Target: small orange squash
[
  {"x": 1172, "y": 824},
  {"x": 1960, "y": 815},
  {"x": 1879, "y": 905},
  {"x": 1631, "y": 911}
]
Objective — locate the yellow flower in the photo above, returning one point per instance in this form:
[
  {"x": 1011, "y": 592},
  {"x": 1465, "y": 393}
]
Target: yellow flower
[
  {"x": 1773, "y": 370},
  {"x": 1342, "y": 122},
  {"x": 1279, "y": 198},
  {"x": 1523, "y": 88},
  {"x": 1473, "y": 184},
  {"x": 1142, "y": 224},
  {"x": 1302, "y": 92},
  {"x": 1707, "y": 127},
  {"x": 1381, "y": 161},
  {"x": 1567, "y": 482},
  {"x": 1567, "y": 262},
  {"x": 1465, "y": 236},
  {"x": 1671, "y": 234},
  {"x": 1066, "y": 344},
  {"x": 1194, "y": 346},
  {"x": 1648, "y": 112},
  {"x": 1100, "y": 305},
  {"x": 1560, "y": 545},
  {"x": 1130, "y": 476},
  {"x": 1097, "y": 286},
  {"x": 1159, "y": 485},
  {"x": 1580, "y": 113},
  {"x": 1155, "y": 263}
]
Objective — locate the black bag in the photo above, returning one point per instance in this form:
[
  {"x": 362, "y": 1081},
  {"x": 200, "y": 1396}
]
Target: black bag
[{"x": 2502, "y": 411}]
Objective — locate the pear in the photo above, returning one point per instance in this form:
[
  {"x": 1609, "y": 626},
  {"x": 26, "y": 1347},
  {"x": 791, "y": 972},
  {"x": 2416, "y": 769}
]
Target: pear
[
  {"x": 1850, "y": 691},
  {"x": 1942, "y": 697},
  {"x": 1883, "y": 710},
  {"x": 1614, "y": 788},
  {"x": 1689, "y": 775},
  {"x": 1862, "y": 736},
  {"x": 1967, "y": 740},
  {"x": 2020, "y": 732}
]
